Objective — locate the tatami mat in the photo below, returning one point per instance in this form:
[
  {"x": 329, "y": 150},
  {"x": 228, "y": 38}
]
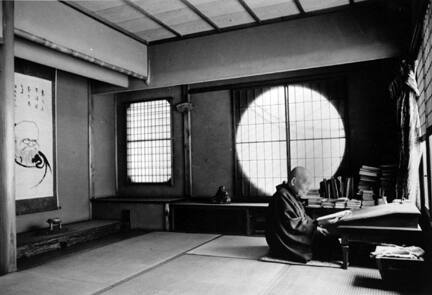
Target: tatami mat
[
  {"x": 197, "y": 275},
  {"x": 90, "y": 271},
  {"x": 317, "y": 281},
  {"x": 30, "y": 282},
  {"x": 158, "y": 263},
  {"x": 234, "y": 247}
]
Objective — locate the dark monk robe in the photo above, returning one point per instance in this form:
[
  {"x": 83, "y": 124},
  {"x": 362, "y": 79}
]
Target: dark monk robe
[{"x": 289, "y": 230}]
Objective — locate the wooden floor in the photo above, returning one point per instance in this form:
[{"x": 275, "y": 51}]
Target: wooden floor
[{"x": 178, "y": 263}]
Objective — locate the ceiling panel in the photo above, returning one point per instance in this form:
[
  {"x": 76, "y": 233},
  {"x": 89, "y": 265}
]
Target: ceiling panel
[
  {"x": 139, "y": 25},
  {"x": 175, "y": 14},
  {"x": 268, "y": 9},
  {"x": 155, "y": 34},
  {"x": 312, "y": 5},
  {"x": 146, "y": 28},
  {"x": 182, "y": 19},
  {"x": 224, "y": 13},
  {"x": 119, "y": 13},
  {"x": 99, "y": 5}
]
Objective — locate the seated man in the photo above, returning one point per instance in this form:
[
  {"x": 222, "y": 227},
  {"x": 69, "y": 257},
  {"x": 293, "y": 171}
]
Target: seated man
[{"x": 290, "y": 233}]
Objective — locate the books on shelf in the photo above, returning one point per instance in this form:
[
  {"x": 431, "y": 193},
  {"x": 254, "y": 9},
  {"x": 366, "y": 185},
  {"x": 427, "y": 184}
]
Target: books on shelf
[
  {"x": 353, "y": 204},
  {"x": 327, "y": 203},
  {"x": 368, "y": 178},
  {"x": 371, "y": 168},
  {"x": 341, "y": 203},
  {"x": 374, "y": 183},
  {"x": 388, "y": 181},
  {"x": 314, "y": 201},
  {"x": 368, "y": 203},
  {"x": 337, "y": 187},
  {"x": 368, "y": 185}
]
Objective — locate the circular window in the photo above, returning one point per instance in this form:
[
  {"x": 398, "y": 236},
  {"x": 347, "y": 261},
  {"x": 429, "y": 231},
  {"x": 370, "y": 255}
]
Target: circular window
[{"x": 288, "y": 126}]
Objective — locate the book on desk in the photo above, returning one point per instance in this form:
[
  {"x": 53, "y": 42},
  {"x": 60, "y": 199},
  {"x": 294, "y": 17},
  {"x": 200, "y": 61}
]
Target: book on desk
[
  {"x": 393, "y": 214},
  {"x": 388, "y": 215}
]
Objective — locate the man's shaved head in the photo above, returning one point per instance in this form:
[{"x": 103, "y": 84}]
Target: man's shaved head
[
  {"x": 298, "y": 172},
  {"x": 299, "y": 180}
]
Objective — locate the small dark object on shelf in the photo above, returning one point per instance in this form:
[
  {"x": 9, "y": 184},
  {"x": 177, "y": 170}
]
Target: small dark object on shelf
[
  {"x": 222, "y": 196},
  {"x": 54, "y": 224}
]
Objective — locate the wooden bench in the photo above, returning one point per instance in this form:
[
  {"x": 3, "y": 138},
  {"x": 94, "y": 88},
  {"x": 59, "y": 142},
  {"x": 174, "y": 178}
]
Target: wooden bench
[
  {"x": 233, "y": 218},
  {"x": 42, "y": 240}
]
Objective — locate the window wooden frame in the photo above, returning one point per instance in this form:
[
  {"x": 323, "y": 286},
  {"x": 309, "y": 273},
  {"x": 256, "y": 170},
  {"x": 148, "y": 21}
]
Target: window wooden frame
[
  {"x": 425, "y": 170},
  {"x": 122, "y": 177}
]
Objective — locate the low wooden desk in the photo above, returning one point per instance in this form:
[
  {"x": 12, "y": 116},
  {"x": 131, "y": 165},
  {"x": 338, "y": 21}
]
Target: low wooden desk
[
  {"x": 396, "y": 225},
  {"x": 377, "y": 235}
]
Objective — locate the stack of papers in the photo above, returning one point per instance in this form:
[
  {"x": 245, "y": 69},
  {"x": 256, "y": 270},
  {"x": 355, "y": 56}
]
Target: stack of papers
[{"x": 411, "y": 252}]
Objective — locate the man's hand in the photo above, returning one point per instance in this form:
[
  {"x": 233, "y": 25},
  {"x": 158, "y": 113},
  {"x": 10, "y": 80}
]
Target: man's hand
[
  {"x": 334, "y": 220},
  {"x": 323, "y": 231}
]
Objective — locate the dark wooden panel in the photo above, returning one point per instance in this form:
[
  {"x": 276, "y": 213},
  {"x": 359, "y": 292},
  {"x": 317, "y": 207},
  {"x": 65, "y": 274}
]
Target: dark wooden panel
[{"x": 218, "y": 218}]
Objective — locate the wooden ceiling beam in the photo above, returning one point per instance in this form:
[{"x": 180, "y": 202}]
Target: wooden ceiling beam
[
  {"x": 263, "y": 22},
  {"x": 299, "y": 6},
  {"x": 152, "y": 17},
  {"x": 250, "y": 11},
  {"x": 200, "y": 14}
]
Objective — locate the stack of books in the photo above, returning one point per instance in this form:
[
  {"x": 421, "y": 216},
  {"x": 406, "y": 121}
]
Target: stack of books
[
  {"x": 340, "y": 203},
  {"x": 314, "y": 202},
  {"x": 368, "y": 198},
  {"x": 388, "y": 181},
  {"x": 353, "y": 204},
  {"x": 328, "y": 203},
  {"x": 368, "y": 178}
]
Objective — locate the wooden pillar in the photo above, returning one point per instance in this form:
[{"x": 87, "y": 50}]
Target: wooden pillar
[
  {"x": 187, "y": 146},
  {"x": 7, "y": 143}
]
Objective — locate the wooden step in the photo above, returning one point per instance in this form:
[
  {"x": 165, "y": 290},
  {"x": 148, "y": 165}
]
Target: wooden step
[{"x": 41, "y": 241}]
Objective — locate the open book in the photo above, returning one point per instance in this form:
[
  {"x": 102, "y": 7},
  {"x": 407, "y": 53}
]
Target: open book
[{"x": 325, "y": 219}]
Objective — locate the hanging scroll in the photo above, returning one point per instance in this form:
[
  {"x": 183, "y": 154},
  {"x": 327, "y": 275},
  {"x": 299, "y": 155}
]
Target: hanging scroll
[{"x": 34, "y": 144}]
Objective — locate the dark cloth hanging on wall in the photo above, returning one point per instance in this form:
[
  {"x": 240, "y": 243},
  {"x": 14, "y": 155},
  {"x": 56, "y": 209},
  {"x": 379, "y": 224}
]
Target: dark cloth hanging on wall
[
  {"x": 289, "y": 230},
  {"x": 404, "y": 92}
]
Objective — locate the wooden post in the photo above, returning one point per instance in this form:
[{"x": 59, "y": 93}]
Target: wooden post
[
  {"x": 90, "y": 113},
  {"x": 7, "y": 143},
  {"x": 187, "y": 146},
  {"x": 345, "y": 252}
]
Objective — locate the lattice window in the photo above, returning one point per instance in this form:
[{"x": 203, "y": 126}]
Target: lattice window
[
  {"x": 317, "y": 135},
  {"x": 149, "y": 142},
  {"x": 261, "y": 139},
  {"x": 424, "y": 73}
]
